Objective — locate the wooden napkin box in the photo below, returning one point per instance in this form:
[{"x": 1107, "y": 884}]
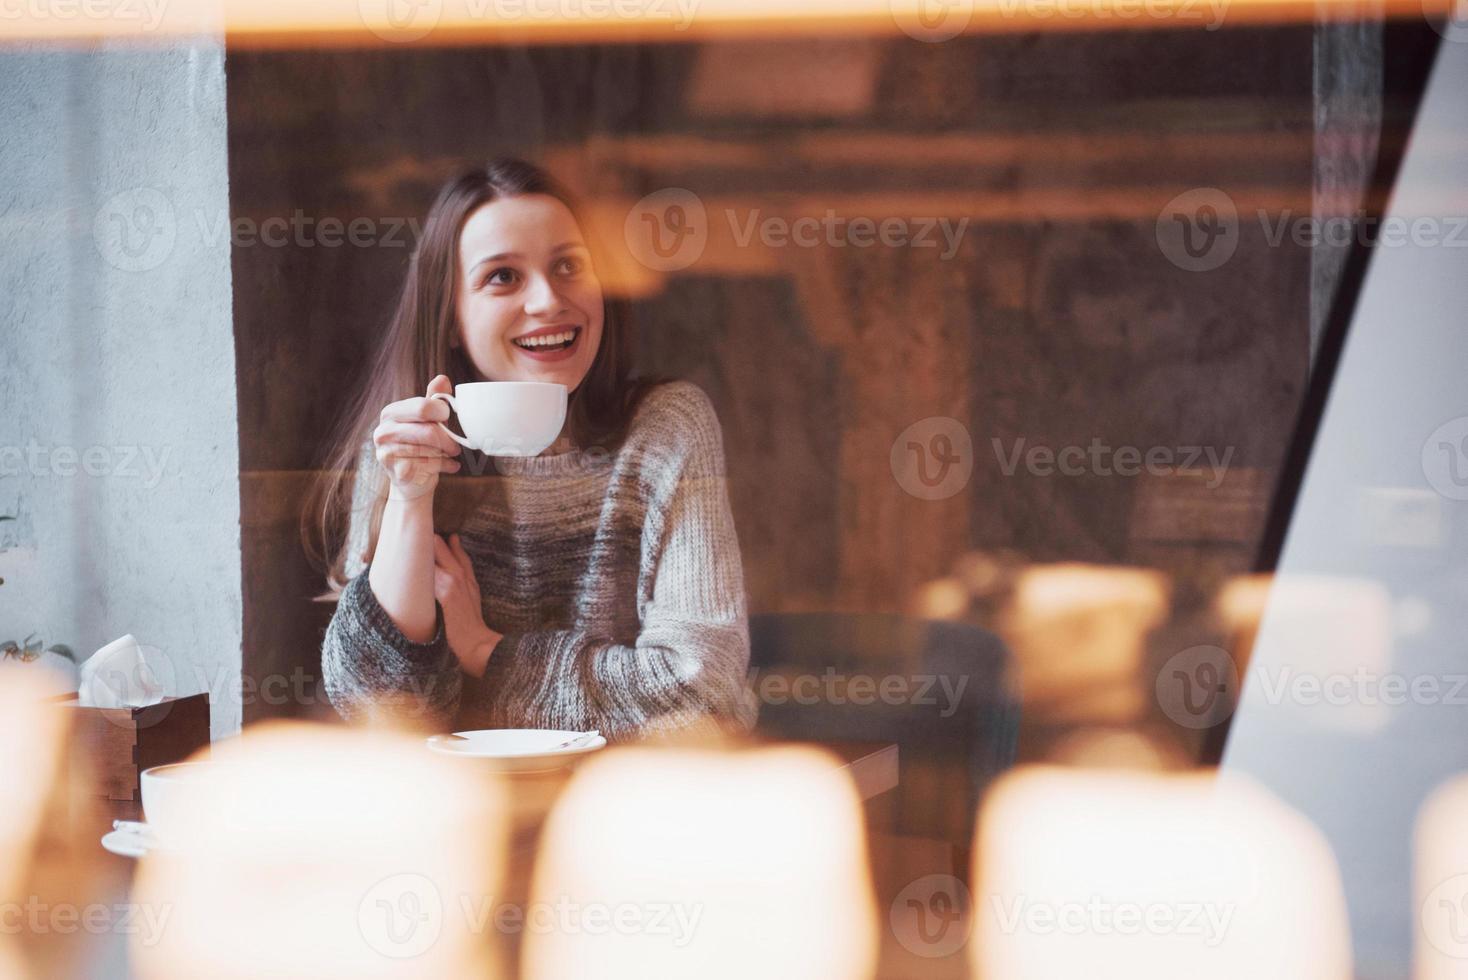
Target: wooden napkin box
[{"x": 119, "y": 743}]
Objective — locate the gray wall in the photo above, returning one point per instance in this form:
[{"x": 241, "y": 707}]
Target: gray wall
[{"x": 119, "y": 459}]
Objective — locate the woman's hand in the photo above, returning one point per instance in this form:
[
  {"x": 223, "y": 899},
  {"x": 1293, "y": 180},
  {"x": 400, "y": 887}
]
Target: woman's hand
[
  {"x": 411, "y": 446},
  {"x": 457, "y": 591}
]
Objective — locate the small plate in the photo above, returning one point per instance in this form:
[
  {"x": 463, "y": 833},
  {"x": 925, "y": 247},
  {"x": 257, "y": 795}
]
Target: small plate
[
  {"x": 127, "y": 843},
  {"x": 515, "y": 749}
]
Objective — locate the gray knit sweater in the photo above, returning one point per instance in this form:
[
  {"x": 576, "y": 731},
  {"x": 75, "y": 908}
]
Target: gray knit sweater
[{"x": 615, "y": 579}]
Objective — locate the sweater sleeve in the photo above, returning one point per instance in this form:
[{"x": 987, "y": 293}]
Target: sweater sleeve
[
  {"x": 688, "y": 668},
  {"x": 369, "y": 669}
]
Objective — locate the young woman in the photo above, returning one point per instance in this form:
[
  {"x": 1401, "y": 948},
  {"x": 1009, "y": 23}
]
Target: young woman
[{"x": 598, "y": 585}]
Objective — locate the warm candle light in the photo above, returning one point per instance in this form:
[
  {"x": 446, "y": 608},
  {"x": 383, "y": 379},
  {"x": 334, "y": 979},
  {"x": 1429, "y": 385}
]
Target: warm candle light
[
  {"x": 316, "y": 852},
  {"x": 708, "y": 865},
  {"x": 1139, "y": 876}
]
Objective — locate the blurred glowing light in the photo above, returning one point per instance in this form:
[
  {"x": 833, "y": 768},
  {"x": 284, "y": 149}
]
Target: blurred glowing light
[
  {"x": 718, "y": 865},
  {"x": 1440, "y": 885},
  {"x": 319, "y": 852},
  {"x": 1078, "y": 634},
  {"x": 440, "y": 22},
  {"x": 1139, "y": 876}
]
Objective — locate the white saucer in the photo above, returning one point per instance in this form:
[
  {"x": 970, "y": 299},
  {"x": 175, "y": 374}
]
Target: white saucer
[
  {"x": 127, "y": 843},
  {"x": 515, "y": 749}
]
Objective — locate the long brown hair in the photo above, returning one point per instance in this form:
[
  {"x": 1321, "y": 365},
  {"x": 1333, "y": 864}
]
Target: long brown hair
[{"x": 418, "y": 346}]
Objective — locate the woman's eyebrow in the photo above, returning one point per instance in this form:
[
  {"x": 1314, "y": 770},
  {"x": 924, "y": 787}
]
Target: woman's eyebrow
[
  {"x": 563, "y": 247},
  {"x": 492, "y": 258}
]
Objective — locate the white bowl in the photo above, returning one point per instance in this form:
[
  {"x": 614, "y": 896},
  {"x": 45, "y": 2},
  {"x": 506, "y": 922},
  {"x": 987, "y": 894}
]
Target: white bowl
[{"x": 515, "y": 749}]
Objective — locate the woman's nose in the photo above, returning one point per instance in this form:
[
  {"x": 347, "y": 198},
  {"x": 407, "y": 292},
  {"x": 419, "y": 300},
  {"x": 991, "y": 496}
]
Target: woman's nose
[{"x": 542, "y": 298}]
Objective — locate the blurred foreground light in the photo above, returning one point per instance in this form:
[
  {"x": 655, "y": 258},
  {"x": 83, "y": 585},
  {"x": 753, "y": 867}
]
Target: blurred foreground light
[
  {"x": 1078, "y": 633},
  {"x": 323, "y": 852},
  {"x": 1440, "y": 885},
  {"x": 35, "y": 734},
  {"x": 675, "y": 863},
  {"x": 1239, "y": 609},
  {"x": 1152, "y": 877},
  {"x": 440, "y": 22},
  {"x": 944, "y": 598},
  {"x": 1109, "y": 748}
]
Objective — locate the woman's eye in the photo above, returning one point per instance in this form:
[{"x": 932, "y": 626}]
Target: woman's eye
[
  {"x": 572, "y": 265},
  {"x": 491, "y": 280}
]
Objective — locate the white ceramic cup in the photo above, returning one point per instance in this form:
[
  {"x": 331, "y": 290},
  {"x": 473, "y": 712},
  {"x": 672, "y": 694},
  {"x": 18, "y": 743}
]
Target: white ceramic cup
[
  {"x": 507, "y": 418},
  {"x": 171, "y": 794}
]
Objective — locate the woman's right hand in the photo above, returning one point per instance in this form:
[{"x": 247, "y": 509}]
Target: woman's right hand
[{"x": 411, "y": 447}]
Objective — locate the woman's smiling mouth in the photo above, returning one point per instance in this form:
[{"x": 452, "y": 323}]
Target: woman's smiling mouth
[{"x": 549, "y": 346}]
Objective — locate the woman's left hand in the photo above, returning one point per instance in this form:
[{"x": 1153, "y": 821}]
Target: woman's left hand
[{"x": 457, "y": 591}]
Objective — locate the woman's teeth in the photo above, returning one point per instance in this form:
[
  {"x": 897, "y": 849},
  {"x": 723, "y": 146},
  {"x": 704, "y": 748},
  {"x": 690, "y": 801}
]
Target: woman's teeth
[{"x": 550, "y": 341}]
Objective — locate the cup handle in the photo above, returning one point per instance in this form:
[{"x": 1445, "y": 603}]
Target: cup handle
[{"x": 445, "y": 396}]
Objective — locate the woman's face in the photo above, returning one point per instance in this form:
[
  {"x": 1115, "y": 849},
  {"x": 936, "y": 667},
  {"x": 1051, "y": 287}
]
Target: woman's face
[{"x": 525, "y": 278}]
